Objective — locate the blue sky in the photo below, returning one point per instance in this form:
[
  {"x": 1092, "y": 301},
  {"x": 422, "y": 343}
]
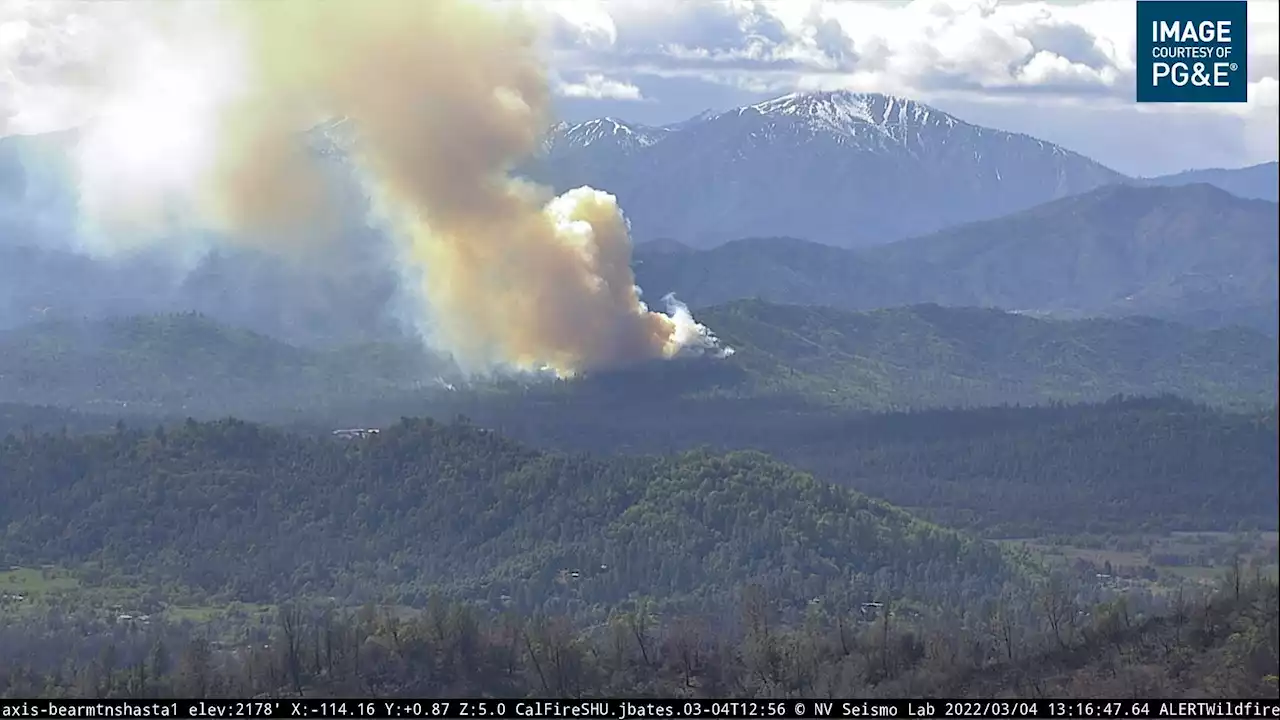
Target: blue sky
[{"x": 1061, "y": 71}]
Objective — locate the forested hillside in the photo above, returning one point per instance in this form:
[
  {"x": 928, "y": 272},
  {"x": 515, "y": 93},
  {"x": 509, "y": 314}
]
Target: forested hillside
[
  {"x": 18, "y": 418},
  {"x": 924, "y": 356},
  {"x": 257, "y": 514},
  {"x": 1118, "y": 467},
  {"x": 929, "y": 355},
  {"x": 1193, "y": 253},
  {"x": 187, "y": 364},
  {"x": 1121, "y": 466},
  {"x": 331, "y": 368}
]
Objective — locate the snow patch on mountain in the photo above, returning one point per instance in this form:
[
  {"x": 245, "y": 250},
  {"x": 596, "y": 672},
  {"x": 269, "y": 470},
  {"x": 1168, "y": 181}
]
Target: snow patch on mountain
[
  {"x": 840, "y": 167},
  {"x": 606, "y": 130},
  {"x": 847, "y": 113}
]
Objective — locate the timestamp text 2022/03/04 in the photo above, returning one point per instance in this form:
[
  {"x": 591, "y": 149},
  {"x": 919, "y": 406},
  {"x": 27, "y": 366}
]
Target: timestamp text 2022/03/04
[{"x": 638, "y": 709}]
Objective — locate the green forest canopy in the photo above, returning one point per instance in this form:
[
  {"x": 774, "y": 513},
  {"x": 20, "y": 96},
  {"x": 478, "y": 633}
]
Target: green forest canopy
[
  {"x": 259, "y": 514},
  {"x": 923, "y": 356}
]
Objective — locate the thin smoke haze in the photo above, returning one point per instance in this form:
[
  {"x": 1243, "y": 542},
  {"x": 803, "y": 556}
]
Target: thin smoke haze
[{"x": 196, "y": 124}]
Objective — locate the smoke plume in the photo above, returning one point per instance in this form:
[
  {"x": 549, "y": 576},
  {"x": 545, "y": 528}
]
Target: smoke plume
[{"x": 444, "y": 96}]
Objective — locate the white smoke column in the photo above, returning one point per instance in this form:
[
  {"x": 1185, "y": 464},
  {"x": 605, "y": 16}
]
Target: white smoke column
[
  {"x": 689, "y": 337},
  {"x": 445, "y": 97},
  {"x": 198, "y": 123},
  {"x": 152, "y": 140}
]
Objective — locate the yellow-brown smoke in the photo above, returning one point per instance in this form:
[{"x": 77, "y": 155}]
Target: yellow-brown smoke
[{"x": 445, "y": 96}]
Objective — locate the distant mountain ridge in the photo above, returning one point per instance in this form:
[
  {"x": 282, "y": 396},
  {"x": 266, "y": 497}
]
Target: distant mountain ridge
[
  {"x": 843, "y": 168},
  {"x": 839, "y": 167},
  {"x": 607, "y": 130},
  {"x": 190, "y": 364},
  {"x": 921, "y": 356},
  {"x": 793, "y": 164},
  {"x": 1193, "y": 253},
  {"x": 1258, "y": 182},
  {"x": 930, "y": 356}
]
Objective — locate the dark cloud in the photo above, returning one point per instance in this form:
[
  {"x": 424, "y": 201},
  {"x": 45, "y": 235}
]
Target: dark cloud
[
  {"x": 718, "y": 27},
  {"x": 715, "y": 37},
  {"x": 1065, "y": 68},
  {"x": 832, "y": 40},
  {"x": 959, "y": 47},
  {"x": 1068, "y": 41}
]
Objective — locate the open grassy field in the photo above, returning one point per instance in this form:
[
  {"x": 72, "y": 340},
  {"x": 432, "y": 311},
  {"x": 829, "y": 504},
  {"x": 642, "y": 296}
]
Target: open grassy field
[
  {"x": 1162, "y": 560},
  {"x": 31, "y": 589}
]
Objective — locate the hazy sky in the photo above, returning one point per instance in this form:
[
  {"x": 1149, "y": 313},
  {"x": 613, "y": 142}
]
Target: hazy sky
[{"x": 1061, "y": 71}]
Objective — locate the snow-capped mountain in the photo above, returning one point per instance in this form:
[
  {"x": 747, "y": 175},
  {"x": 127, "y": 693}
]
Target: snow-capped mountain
[
  {"x": 607, "y": 132},
  {"x": 589, "y": 149},
  {"x": 838, "y": 167}
]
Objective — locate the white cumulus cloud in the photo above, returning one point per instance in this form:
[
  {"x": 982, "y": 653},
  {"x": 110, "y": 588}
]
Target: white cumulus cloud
[
  {"x": 1028, "y": 63},
  {"x": 597, "y": 86},
  {"x": 1026, "y": 57}
]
